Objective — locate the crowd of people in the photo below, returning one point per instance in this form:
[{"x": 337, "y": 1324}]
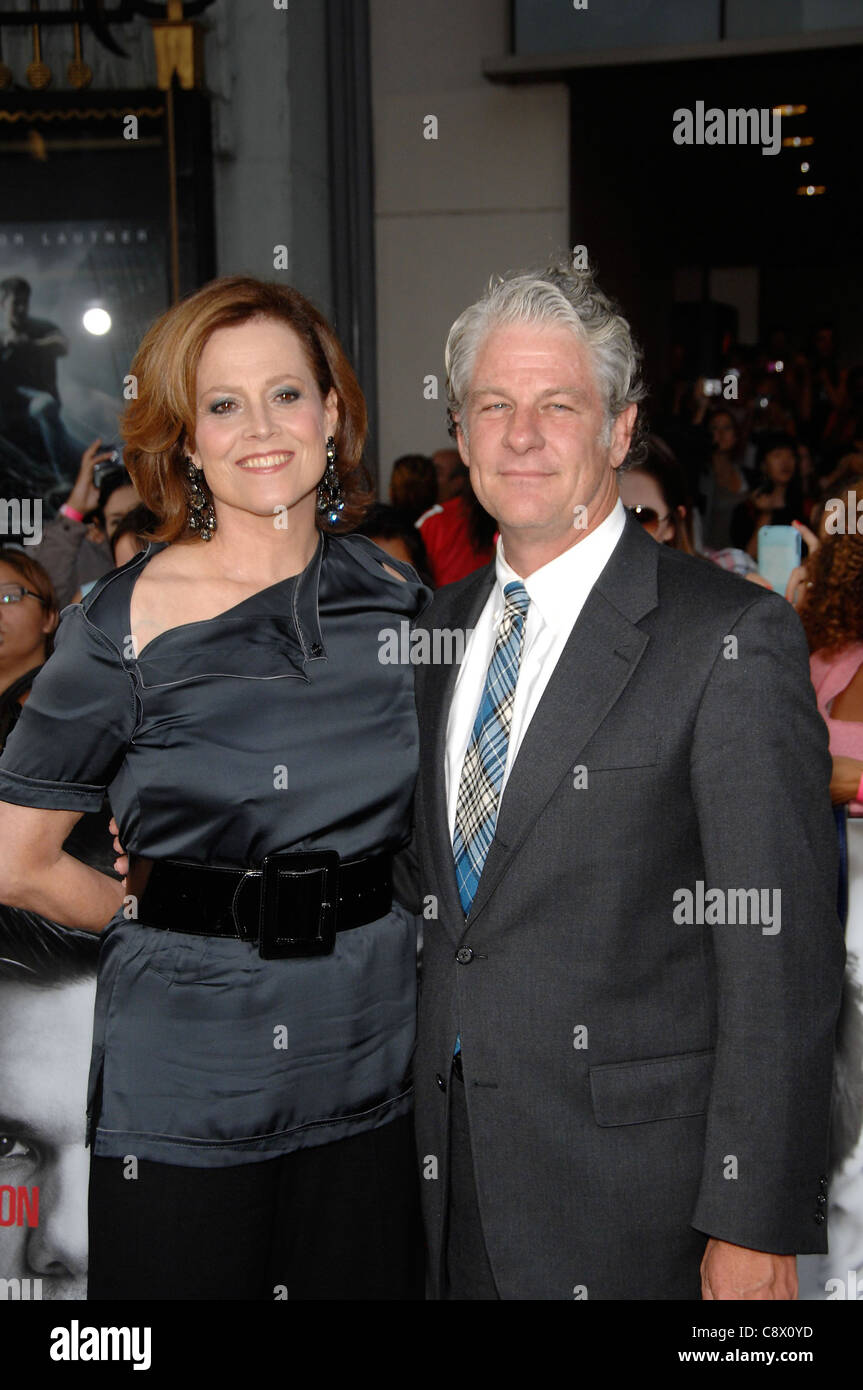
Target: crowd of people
[
  {"x": 294, "y": 1166},
  {"x": 769, "y": 440}
]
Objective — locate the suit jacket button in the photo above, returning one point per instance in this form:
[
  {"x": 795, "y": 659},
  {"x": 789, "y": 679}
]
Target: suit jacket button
[
  {"x": 819, "y": 1218},
  {"x": 821, "y": 1199},
  {"x": 822, "y": 1182},
  {"x": 464, "y": 955},
  {"x": 440, "y": 1081}
]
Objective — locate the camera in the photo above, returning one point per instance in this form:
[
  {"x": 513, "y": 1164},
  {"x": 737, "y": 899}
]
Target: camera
[{"x": 107, "y": 466}]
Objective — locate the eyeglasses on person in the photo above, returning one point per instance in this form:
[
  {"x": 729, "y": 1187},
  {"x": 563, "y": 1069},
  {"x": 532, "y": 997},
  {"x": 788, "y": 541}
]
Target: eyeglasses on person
[
  {"x": 648, "y": 516},
  {"x": 13, "y": 593}
]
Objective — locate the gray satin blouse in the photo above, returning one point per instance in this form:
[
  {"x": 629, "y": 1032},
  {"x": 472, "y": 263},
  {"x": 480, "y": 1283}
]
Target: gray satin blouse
[{"x": 273, "y": 726}]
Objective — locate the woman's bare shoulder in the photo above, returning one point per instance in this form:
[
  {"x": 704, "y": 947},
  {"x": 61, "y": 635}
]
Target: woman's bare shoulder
[{"x": 170, "y": 571}]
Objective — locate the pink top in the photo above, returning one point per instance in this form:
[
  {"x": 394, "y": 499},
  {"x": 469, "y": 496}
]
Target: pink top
[{"x": 830, "y": 676}]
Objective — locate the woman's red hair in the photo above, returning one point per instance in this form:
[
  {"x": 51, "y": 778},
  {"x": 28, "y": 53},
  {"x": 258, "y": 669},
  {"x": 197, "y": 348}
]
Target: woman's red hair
[{"x": 159, "y": 424}]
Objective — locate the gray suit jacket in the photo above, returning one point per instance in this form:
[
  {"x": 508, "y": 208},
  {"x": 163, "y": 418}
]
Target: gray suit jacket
[{"x": 635, "y": 1083}]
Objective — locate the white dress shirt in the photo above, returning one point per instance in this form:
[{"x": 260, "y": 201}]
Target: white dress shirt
[{"x": 558, "y": 592}]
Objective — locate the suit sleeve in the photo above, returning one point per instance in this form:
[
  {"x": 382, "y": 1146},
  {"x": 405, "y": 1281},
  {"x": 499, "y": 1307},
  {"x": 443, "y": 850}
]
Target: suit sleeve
[{"x": 760, "y": 771}]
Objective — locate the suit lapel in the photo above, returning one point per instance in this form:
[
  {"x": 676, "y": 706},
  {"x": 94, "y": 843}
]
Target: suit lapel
[{"x": 595, "y": 666}]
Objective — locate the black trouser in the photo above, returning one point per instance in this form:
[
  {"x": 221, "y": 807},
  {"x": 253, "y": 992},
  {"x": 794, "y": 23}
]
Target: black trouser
[
  {"x": 468, "y": 1271},
  {"x": 340, "y": 1221}
]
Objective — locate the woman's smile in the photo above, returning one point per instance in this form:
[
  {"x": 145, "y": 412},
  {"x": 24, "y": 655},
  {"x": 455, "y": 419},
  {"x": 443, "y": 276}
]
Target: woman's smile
[{"x": 265, "y": 463}]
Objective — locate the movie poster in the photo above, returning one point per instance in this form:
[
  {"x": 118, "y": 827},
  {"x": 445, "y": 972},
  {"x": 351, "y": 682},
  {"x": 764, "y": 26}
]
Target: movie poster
[
  {"x": 75, "y": 301},
  {"x": 47, "y": 994}
]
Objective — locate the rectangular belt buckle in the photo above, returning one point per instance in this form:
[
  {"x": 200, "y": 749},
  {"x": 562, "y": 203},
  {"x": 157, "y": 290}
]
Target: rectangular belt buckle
[{"x": 311, "y": 878}]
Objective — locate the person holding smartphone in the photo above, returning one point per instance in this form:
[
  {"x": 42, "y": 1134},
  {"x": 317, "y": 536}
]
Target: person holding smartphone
[{"x": 778, "y": 498}]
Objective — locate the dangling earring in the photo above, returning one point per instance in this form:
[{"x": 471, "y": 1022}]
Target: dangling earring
[
  {"x": 202, "y": 517},
  {"x": 331, "y": 501}
]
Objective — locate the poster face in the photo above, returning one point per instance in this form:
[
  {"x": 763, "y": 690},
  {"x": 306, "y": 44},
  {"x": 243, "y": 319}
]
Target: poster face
[
  {"x": 75, "y": 301},
  {"x": 47, "y": 994}
]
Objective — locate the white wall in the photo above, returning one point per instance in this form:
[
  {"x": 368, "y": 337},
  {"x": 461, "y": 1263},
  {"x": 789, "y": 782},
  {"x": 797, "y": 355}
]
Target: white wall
[{"x": 489, "y": 195}]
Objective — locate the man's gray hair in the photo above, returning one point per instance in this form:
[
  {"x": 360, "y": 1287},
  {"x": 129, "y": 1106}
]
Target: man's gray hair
[{"x": 558, "y": 295}]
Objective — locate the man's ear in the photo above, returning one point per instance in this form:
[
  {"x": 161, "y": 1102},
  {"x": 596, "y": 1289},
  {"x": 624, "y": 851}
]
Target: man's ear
[
  {"x": 621, "y": 434},
  {"x": 462, "y": 445}
]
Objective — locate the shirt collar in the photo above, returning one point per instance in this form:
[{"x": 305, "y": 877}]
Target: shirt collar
[
  {"x": 563, "y": 584},
  {"x": 304, "y": 603}
]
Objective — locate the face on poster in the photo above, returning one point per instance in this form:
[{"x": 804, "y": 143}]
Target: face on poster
[
  {"x": 47, "y": 994},
  {"x": 75, "y": 301}
]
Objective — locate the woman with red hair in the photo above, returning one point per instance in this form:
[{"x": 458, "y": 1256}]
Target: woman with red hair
[{"x": 257, "y": 978}]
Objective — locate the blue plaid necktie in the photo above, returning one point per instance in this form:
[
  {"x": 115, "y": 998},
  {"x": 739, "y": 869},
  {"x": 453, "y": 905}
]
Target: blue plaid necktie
[{"x": 485, "y": 759}]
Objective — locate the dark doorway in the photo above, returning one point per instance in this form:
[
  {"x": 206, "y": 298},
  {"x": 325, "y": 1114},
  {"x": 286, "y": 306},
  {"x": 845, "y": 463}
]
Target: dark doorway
[{"x": 659, "y": 217}]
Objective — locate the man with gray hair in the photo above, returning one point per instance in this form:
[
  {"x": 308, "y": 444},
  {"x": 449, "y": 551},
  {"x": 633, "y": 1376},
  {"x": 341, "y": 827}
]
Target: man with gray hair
[{"x": 612, "y": 1103}]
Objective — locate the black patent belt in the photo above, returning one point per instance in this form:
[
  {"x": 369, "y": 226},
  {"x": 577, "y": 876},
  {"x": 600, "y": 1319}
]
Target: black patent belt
[{"x": 292, "y": 906}]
